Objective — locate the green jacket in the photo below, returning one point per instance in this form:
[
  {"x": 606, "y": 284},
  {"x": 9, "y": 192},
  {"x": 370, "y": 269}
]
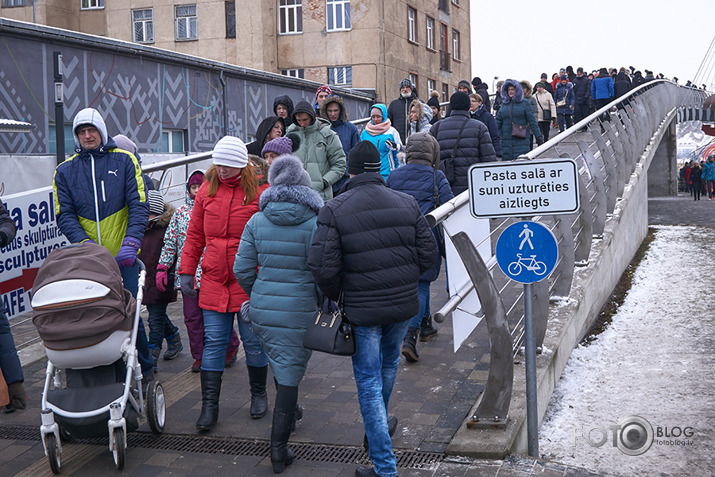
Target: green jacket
[{"x": 322, "y": 155}]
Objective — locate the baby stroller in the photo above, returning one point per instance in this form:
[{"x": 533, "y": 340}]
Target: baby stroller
[{"x": 88, "y": 323}]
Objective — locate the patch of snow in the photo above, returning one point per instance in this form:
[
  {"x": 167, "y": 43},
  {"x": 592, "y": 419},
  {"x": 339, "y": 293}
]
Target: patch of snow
[{"x": 654, "y": 361}]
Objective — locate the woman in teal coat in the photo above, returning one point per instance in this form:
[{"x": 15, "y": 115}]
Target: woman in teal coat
[
  {"x": 271, "y": 267},
  {"x": 515, "y": 110},
  {"x": 380, "y": 132}
]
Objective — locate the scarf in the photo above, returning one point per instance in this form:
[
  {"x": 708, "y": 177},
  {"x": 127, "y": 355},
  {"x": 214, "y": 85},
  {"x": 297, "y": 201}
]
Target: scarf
[{"x": 377, "y": 129}]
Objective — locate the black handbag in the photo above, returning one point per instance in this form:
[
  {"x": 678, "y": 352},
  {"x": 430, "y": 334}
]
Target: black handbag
[
  {"x": 330, "y": 331},
  {"x": 545, "y": 113}
]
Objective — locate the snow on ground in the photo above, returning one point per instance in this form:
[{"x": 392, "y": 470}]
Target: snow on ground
[{"x": 655, "y": 361}]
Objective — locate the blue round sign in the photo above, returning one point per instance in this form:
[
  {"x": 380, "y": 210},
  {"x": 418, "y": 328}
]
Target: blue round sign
[{"x": 527, "y": 252}]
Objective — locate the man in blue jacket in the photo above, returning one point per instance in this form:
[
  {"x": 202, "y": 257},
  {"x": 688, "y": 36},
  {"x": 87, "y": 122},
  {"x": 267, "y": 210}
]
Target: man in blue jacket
[
  {"x": 100, "y": 197},
  {"x": 370, "y": 246}
]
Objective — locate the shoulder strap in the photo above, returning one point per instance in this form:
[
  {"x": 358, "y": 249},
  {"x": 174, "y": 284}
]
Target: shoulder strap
[
  {"x": 435, "y": 194},
  {"x": 459, "y": 137}
]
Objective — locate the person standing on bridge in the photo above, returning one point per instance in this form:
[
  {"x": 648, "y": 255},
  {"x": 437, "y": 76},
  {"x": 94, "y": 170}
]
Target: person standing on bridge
[
  {"x": 375, "y": 268},
  {"x": 398, "y": 112},
  {"x": 9, "y": 361},
  {"x": 100, "y": 197},
  {"x": 709, "y": 176},
  {"x": 515, "y": 111},
  {"x": 225, "y": 202}
]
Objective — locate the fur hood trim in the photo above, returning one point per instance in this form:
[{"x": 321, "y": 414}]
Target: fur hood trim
[
  {"x": 327, "y": 102},
  {"x": 295, "y": 194},
  {"x": 518, "y": 94}
]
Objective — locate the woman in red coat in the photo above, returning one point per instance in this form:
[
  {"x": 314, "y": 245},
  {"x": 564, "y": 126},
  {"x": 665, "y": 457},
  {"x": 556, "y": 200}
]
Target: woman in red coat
[{"x": 224, "y": 203}]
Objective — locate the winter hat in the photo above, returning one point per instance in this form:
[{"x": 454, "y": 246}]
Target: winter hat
[
  {"x": 459, "y": 101},
  {"x": 282, "y": 145},
  {"x": 406, "y": 82},
  {"x": 544, "y": 75},
  {"x": 155, "y": 201},
  {"x": 323, "y": 89},
  {"x": 539, "y": 84},
  {"x": 476, "y": 81},
  {"x": 465, "y": 84},
  {"x": 125, "y": 143},
  {"x": 230, "y": 151},
  {"x": 433, "y": 99},
  {"x": 288, "y": 171},
  {"x": 564, "y": 78},
  {"x": 364, "y": 157},
  {"x": 196, "y": 177},
  {"x": 579, "y": 70}
]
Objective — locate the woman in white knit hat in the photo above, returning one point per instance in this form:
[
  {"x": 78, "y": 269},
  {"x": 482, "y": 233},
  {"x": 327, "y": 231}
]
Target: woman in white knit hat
[{"x": 225, "y": 202}]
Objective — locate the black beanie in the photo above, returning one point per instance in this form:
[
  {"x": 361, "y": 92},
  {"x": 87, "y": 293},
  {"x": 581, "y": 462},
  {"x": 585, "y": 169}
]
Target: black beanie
[
  {"x": 459, "y": 101},
  {"x": 433, "y": 101},
  {"x": 364, "y": 157}
]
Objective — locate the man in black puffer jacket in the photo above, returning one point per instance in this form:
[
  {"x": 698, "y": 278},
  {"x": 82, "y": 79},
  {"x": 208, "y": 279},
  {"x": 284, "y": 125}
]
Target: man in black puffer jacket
[
  {"x": 462, "y": 142},
  {"x": 399, "y": 110},
  {"x": 372, "y": 244}
]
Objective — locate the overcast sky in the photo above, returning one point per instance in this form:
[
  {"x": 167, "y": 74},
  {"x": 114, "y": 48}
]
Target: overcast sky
[{"x": 521, "y": 39}]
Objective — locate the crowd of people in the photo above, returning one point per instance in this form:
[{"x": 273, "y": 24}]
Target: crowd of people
[
  {"x": 311, "y": 210},
  {"x": 698, "y": 178}
]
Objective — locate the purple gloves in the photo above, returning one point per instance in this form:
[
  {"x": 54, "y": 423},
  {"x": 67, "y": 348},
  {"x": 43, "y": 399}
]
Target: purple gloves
[
  {"x": 127, "y": 254},
  {"x": 162, "y": 276},
  {"x": 187, "y": 285}
]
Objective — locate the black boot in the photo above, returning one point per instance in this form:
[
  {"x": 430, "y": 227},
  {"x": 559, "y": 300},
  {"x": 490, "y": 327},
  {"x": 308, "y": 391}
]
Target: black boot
[
  {"x": 427, "y": 330},
  {"x": 281, "y": 455},
  {"x": 259, "y": 398},
  {"x": 210, "y": 391},
  {"x": 409, "y": 345}
]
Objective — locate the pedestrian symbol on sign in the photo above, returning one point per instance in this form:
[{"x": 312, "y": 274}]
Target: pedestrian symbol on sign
[
  {"x": 526, "y": 251},
  {"x": 527, "y": 233}
]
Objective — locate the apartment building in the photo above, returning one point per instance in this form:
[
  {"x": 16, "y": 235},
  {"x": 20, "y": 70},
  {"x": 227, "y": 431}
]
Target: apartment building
[{"x": 362, "y": 44}]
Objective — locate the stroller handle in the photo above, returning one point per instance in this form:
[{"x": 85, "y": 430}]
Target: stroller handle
[{"x": 142, "y": 267}]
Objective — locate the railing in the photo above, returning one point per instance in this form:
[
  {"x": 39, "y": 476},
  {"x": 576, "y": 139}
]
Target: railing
[{"x": 607, "y": 146}]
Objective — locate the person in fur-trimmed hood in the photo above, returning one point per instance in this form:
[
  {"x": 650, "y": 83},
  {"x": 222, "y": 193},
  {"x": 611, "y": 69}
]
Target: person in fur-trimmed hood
[
  {"x": 272, "y": 268},
  {"x": 514, "y": 110}
]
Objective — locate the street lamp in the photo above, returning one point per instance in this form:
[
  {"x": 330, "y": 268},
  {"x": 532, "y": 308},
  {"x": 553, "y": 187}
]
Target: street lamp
[
  {"x": 494, "y": 82},
  {"x": 59, "y": 109}
]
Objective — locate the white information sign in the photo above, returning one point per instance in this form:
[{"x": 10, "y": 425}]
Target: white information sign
[{"x": 523, "y": 188}]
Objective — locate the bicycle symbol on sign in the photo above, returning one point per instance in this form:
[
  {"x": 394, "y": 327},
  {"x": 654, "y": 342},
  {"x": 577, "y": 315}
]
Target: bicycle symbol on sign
[{"x": 530, "y": 264}]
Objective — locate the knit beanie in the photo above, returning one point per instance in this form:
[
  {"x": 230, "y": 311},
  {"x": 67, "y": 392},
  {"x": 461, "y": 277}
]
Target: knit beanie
[
  {"x": 476, "y": 81},
  {"x": 433, "y": 99},
  {"x": 230, "y": 151},
  {"x": 364, "y": 157},
  {"x": 564, "y": 78},
  {"x": 459, "y": 101},
  {"x": 125, "y": 143},
  {"x": 288, "y": 171},
  {"x": 406, "y": 82},
  {"x": 323, "y": 89},
  {"x": 539, "y": 84},
  {"x": 155, "y": 201},
  {"x": 196, "y": 177},
  {"x": 279, "y": 145}
]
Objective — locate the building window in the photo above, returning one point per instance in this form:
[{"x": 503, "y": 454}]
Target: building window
[
  {"x": 186, "y": 22},
  {"x": 455, "y": 45},
  {"x": 455, "y": 2},
  {"x": 294, "y": 73},
  {"x": 430, "y": 32},
  {"x": 340, "y": 75},
  {"x": 69, "y": 139},
  {"x": 172, "y": 141},
  {"x": 431, "y": 85},
  {"x": 92, "y": 4},
  {"x": 414, "y": 78},
  {"x": 338, "y": 15},
  {"x": 290, "y": 16},
  {"x": 15, "y": 3},
  {"x": 230, "y": 19},
  {"x": 443, "y": 6},
  {"x": 445, "y": 92},
  {"x": 412, "y": 24},
  {"x": 443, "y": 48},
  {"x": 143, "y": 23}
]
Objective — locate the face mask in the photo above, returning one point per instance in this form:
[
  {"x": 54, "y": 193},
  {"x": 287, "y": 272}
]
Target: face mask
[{"x": 406, "y": 95}]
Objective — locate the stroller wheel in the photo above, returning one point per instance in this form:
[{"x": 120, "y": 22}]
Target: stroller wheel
[
  {"x": 53, "y": 453},
  {"x": 120, "y": 449},
  {"x": 156, "y": 407}
]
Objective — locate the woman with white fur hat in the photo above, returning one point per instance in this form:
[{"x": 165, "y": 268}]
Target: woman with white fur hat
[
  {"x": 272, "y": 267},
  {"x": 224, "y": 203}
]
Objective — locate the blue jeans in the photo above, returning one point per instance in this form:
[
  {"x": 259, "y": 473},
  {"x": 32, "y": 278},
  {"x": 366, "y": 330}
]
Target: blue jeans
[
  {"x": 217, "y": 333},
  {"x": 160, "y": 326},
  {"x": 130, "y": 277},
  {"x": 9, "y": 361},
  {"x": 423, "y": 289},
  {"x": 375, "y": 370}
]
